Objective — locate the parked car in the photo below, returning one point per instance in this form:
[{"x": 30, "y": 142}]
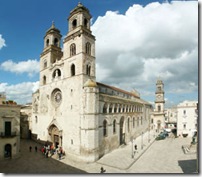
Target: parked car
[{"x": 162, "y": 136}]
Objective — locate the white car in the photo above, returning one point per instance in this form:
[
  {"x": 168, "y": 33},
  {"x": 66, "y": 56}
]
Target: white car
[{"x": 168, "y": 130}]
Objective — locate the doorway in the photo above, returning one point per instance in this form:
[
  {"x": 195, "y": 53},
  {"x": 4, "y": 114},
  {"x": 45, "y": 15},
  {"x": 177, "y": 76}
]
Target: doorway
[
  {"x": 8, "y": 151},
  {"x": 55, "y": 135}
]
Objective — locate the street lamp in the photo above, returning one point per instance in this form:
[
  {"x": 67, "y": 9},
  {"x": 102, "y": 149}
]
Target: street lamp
[
  {"x": 149, "y": 135},
  {"x": 142, "y": 141},
  {"x": 132, "y": 155}
]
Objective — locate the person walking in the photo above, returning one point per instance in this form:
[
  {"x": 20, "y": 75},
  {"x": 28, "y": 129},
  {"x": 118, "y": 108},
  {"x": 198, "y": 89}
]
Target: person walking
[
  {"x": 135, "y": 149},
  {"x": 102, "y": 170}
]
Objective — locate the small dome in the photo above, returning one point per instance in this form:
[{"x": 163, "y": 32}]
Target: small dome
[
  {"x": 52, "y": 29},
  {"x": 90, "y": 83}
]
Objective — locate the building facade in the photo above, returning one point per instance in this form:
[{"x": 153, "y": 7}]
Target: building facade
[
  {"x": 70, "y": 109},
  {"x": 187, "y": 118},
  {"x": 25, "y": 121},
  {"x": 9, "y": 131},
  {"x": 2, "y": 98},
  {"x": 171, "y": 118}
]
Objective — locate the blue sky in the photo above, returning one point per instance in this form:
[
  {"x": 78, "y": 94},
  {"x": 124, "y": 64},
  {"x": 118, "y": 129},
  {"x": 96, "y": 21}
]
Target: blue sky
[{"x": 156, "y": 38}]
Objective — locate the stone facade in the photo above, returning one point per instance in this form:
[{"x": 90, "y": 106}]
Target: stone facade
[
  {"x": 88, "y": 119},
  {"x": 187, "y": 118},
  {"x": 2, "y": 98},
  {"x": 25, "y": 121},
  {"x": 171, "y": 118},
  {"x": 9, "y": 131}
]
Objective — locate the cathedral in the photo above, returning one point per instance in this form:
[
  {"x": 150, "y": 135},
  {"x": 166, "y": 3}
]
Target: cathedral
[{"x": 88, "y": 119}]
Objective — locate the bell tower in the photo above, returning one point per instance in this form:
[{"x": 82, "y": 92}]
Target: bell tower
[
  {"x": 79, "y": 44},
  {"x": 159, "y": 102},
  {"x": 159, "y": 115},
  {"x": 51, "y": 53}
]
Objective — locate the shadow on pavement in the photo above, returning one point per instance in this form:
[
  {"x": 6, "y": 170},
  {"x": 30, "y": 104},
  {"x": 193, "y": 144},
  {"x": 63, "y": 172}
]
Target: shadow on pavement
[
  {"x": 35, "y": 163},
  {"x": 188, "y": 166}
]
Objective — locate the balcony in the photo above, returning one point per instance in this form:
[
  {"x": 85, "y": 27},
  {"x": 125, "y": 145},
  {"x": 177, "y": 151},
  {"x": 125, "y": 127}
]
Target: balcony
[{"x": 8, "y": 135}]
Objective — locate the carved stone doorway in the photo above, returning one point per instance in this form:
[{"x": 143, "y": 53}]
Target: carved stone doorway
[{"x": 55, "y": 135}]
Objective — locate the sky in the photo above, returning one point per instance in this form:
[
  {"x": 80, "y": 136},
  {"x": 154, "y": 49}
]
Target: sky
[{"x": 137, "y": 42}]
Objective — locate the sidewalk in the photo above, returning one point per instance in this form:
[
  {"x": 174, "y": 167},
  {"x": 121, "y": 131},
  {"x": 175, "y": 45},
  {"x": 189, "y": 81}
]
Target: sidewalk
[{"x": 119, "y": 160}]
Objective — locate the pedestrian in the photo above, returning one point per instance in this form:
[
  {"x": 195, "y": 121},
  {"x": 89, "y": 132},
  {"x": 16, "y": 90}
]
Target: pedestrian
[
  {"x": 30, "y": 149},
  {"x": 60, "y": 153},
  {"x": 35, "y": 148},
  {"x": 135, "y": 147},
  {"x": 102, "y": 170}
]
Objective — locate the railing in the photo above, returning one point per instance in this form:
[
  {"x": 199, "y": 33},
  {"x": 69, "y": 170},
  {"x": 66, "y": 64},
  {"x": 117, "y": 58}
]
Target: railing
[{"x": 8, "y": 135}]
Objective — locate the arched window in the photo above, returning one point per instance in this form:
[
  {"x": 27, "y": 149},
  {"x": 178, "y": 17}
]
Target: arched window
[
  {"x": 57, "y": 73},
  {"x": 56, "y": 42},
  {"x": 74, "y": 23},
  {"x": 120, "y": 106},
  {"x": 128, "y": 124},
  {"x": 88, "y": 48},
  {"x": 115, "y": 108},
  {"x": 110, "y": 108},
  {"x": 47, "y": 42},
  {"x": 133, "y": 122},
  {"x": 36, "y": 119},
  {"x": 104, "y": 128},
  {"x": 105, "y": 108},
  {"x": 114, "y": 126},
  {"x": 138, "y": 121},
  {"x": 44, "y": 80},
  {"x": 73, "y": 70},
  {"x": 72, "y": 49},
  {"x": 159, "y": 108},
  {"x": 85, "y": 22},
  {"x": 45, "y": 64},
  {"x": 88, "y": 68}
]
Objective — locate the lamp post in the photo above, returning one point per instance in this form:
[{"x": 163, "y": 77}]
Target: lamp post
[
  {"x": 149, "y": 135},
  {"x": 132, "y": 155},
  {"x": 142, "y": 141}
]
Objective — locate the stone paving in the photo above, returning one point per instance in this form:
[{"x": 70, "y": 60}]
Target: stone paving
[{"x": 164, "y": 156}]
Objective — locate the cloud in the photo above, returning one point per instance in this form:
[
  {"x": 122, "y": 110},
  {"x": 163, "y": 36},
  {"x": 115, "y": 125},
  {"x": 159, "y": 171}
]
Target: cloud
[
  {"x": 2, "y": 42},
  {"x": 21, "y": 93},
  {"x": 135, "y": 48},
  {"x": 30, "y": 66}
]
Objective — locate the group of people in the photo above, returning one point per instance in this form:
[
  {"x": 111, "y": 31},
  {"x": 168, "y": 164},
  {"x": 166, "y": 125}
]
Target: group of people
[
  {"x": 30, "y": 149},
  {"x": 50, "y": 150}
]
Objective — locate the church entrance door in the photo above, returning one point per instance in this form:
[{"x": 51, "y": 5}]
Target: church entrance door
[
  {"x": 55, "y": 135},
  {"x": 122, "y": 134}
]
